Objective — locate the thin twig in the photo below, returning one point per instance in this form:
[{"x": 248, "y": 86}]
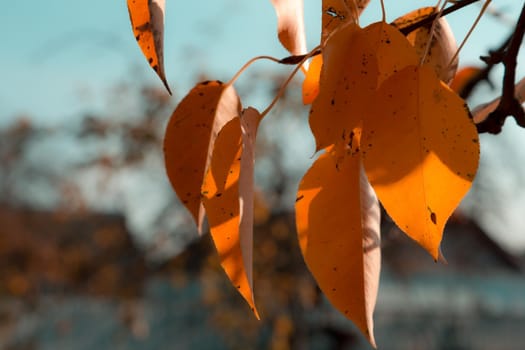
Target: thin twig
[{"x": 428, "y": 20}]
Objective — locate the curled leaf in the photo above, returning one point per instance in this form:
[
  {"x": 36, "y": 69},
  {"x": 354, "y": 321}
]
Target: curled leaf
[
  {"x": 190, "y": 136},
  {"x": 420, "y": 151},
  {"x": 442, "y": 47},
  {"x": 147, "y": 21},
  {"x": 227, "y": 194},
  {"x": 290, "y": 25},
  {"x": 338, "y": 218}
]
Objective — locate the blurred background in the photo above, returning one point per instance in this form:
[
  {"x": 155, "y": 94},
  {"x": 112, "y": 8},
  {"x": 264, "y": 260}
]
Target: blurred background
[{"x": 97, "y": 252}]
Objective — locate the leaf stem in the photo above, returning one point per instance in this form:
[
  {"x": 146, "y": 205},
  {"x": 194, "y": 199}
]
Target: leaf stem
[
  {"x": 485, "y": 5},
  {"x": 313, "y": 52},
  {"x": 249, "y": 63}
]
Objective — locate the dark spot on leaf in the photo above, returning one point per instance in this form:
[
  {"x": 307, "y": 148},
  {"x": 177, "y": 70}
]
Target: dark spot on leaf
[
  {"x": 433, "y": 218},
  {"x": 218, "y": 195},
  {"x": 299, "y": 198}
]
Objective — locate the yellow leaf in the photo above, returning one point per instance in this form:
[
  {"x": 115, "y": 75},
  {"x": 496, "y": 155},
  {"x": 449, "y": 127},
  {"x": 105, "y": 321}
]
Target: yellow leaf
[
  {"x": 290, "y": 25},
  {"x": 227, "y": 194},
  {"x": 355, "y": 62},
  {"x": 147, "y": 21},
  {"x": 311, "y": 80},
  {"x": 420, "y": 151},
  {"x": 338, "y": 218},
  {"x": 443, "y": 45},
  {"x": 190, "y": 136}
]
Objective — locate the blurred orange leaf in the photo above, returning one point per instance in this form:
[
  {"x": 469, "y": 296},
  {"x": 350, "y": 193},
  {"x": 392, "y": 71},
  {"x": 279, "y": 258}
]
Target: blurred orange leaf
[
  {"x": 420, "y": 151},
  {"x": 147, "y": 21},
  {"x": 338, "y": 217},
  {"x": 464, "y": 77},
  {"x": 481, "y": 112},
  {"x": 190, "y": 136},
  {"x": 227, "y": 194},
  {"x": 290, "y": 25}
]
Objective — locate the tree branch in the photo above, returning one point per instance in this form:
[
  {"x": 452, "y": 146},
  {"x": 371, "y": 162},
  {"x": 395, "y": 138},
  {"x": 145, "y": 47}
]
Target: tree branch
[{"x": 508, "y": 105}]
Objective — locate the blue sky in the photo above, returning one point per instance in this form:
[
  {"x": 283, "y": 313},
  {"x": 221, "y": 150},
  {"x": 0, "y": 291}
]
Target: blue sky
[{"x": 59, "y": 59}]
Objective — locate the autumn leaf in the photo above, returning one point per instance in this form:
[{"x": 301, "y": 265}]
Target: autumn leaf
[
  {"x": 464, "y": 78},
  {"x": 443, "y": 46},
  {"x": 227, "y": 194},
  {"x": 290, "y": 25},
  {"x": 338, "y": 219},
  {"x": 337, "y": 12},
  {"x": 147, "y": 21},
  {"x": 355, "y": 62},
  {"x": 311, "y": 80},
  {"x": 190, "y": 136},
  {"x": 420, "y": 151},
  {"x": 481, "y": 112}
]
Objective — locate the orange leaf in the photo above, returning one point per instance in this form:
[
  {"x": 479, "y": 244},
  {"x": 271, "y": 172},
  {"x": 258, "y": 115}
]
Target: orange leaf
[
  {"x": 481, "y": 112},
  {"x": 290, "y": 25},
  {"x": 227, "y": 193},
  {"x": 355, "y": 62},
  {"x": 190, "y": 136},
  {"x": 147, "y": 21},
  {"x": 337, "y": 12},
  {"x": 338, "y": 217},
  {"x": 311, "y": 80},
  {"x": 464, "y": 77},
  {"x": 443, "y": 45},
  {"x": 420, "y": 151}
]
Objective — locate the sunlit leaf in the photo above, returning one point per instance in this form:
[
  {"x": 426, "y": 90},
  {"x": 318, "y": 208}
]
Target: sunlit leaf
[
  {"x": 420, "y": 151},
  {"x": 311, "y": 80},
  {"x": 290, "y": 25},
  {"x": 442, "y": 48},
  {"x": 355, "y": 62},
  {"x": 337, "y": 12},
  {"x": 338, "y": 219},
  {"x": 190, "y": 136},
  {"x": 227, "y": 193},
  {"x": 147, "y": 21}
]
